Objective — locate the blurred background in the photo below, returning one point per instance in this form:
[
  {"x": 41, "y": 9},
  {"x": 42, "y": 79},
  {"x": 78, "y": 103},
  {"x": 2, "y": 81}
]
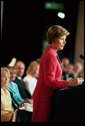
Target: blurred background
[{"x": 24, "y": 25}]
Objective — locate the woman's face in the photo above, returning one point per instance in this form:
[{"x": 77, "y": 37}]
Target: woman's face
[
  {"x": 59, "y": 43},
  {"x": 36, "y": 71},
  {"x": 12, "y": 75},
  {"x": 5, "y": 79}
]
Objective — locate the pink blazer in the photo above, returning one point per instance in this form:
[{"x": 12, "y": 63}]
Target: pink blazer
[{"x": 49, "y": 78}]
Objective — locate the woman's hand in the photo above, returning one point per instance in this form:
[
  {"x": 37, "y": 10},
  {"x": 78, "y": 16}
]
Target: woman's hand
[
  {"x": 27, "y": 100},
  {"x": 75, "y": 82}
]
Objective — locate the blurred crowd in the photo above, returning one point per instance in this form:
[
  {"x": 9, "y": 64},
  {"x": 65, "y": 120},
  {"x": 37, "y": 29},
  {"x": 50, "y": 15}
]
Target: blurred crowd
[{"x": 71, "y": 70}]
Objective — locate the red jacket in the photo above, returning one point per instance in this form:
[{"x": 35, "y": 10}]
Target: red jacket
[{"x": 49, "y": 78}]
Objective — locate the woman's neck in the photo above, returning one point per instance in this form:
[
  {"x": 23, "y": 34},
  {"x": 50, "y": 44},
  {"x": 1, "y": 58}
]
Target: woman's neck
[{"x": 53, "y": 47}]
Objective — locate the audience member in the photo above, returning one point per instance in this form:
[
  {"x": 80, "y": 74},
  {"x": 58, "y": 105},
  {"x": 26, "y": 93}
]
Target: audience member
[
  {"x": 20, "y": 68},
  {"x": 31, "y": 76},
  {"x": 7, "y": 112},
  {"x": 77, "y": 69},
  {"x": 13, "y": 88}
]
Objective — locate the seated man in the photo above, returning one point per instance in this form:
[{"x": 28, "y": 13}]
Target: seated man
[{"x": 20, "y": 67}]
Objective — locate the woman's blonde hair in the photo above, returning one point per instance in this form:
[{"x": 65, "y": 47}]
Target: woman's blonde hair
[
  {"x": 5, "y": 71},
  {"x": 32, "y": 67},
  {"x": 56, "y": 31}
]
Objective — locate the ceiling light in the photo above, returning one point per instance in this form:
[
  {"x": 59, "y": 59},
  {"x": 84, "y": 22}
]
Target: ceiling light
[{"x": 61, "y": 15}]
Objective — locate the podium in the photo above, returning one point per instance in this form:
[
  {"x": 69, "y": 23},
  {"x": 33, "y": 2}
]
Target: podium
[{"x": 68, "y": 105}]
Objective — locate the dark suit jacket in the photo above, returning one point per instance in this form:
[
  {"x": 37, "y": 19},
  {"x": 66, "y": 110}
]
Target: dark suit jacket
[{"x": 22, "y": 89}]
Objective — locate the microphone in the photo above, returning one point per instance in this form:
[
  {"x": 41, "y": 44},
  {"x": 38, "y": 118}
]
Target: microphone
[{"x": 82, "y": 57}]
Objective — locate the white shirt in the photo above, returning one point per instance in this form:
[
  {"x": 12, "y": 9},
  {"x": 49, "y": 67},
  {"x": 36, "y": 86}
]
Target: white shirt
[{"x": 30, "y": 83}]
